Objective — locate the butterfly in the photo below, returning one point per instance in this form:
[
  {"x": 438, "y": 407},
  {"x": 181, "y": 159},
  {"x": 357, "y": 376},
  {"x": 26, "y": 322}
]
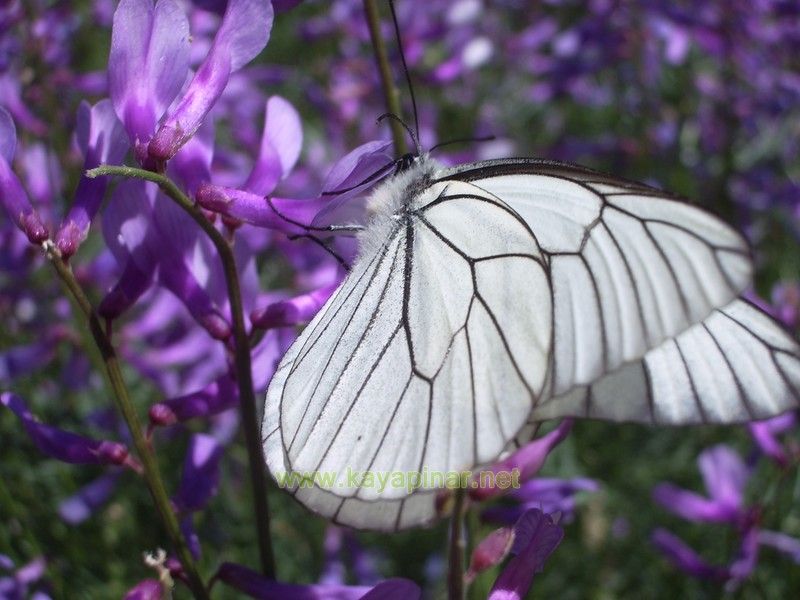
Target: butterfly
[{"x": 492, "y": 296}]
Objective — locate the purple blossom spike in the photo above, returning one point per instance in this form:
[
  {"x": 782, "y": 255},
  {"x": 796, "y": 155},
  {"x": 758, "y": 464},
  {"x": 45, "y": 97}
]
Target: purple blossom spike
[
  {"x": 200, "y": 474},
  {"x": 526, "y": 461},
  {"x": 102, "y": 140},
  {"x": 297, "y": 310},
  {"x": 66, "y": 446},
  {"x": 80, "y": 506},
  {"x": 535, "y": 537},
  {"x": 216, "y": 397},
  {"x": 147, "y": 65},
  {"x": 490, "y": 551},
  {"x": 280, "y": 147},
  {"x": 394, "y": 589},
  {"x": 242, "y": 35},
  {"x": 12, "y": 196}
]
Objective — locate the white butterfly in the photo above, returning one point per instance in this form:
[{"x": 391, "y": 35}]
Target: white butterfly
[{"x": 497, "y": 294}]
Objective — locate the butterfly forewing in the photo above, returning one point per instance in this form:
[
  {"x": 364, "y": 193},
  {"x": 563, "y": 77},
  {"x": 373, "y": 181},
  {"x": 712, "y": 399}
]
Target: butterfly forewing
[{"x": 423, "y": 361}]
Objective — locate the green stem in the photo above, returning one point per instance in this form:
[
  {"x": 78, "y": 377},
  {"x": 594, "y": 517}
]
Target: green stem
[
  {"x": 455, "y": 571},
  {"x": 151, "y": 472},
  {"x": 244, "y": 373},
  {"x": 390, "y": 91}
]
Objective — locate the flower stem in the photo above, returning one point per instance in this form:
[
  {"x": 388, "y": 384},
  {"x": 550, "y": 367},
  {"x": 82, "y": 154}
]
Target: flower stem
[
  {"x": 390, "y": 91},
  {"x": 244, "y": 373},
  {"x": 455, "y": 570},
  {"x": 151, "y": 472}
]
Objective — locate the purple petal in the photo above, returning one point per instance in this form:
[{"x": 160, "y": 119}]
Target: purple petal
[
  {"x": 242, "y": 35},
  {"x": 725, "y": 475},
  {"x": 148, "y": 63},
  {"x": 176, "y": 277},
  {"x": 294, "y": 311},
  {"x": 765, "y": 435},
  {"x": 65, "y": 446},
  {"x": 102, "y": 140},
  {"x": 354, "y": 169},
  {"x": 149, "y": 589},
  {"x": 80, "y": 506},
  {"x": 8, "y": 136},
  {"x": 333, "y": 568},
  {"x": 394, "y": 589},
  {"x": 746, "y": 558},
  {"x": 550, "y": 495},
  {"x": 780, "y": 541},
  {"x": 133, "y": 282},
  {"x": 490, "y": 551},
  {"x": 12, "y": 196},
  {"x": 280, "y": 147},
  {"x": 191, "y": 537},
  {"x": 523, "y": 464},
  {"x": 216, "y": 397},
  {"x": 191, "y": 166},
  {"x": 535, "y": 538},
  {"x": 684, "y": 558},
  {"x": 287, "y": 215},
  {"x": 256, "y": 585},
  {"x": 22, "y": 360},
  {"x": 694, "y": 507},
  {"x": 31, "y": 572},
  {"x": 200, "y": 474}
]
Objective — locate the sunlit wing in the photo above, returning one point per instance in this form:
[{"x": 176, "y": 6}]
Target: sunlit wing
[
  {"x": 424, "y": 360},
  {"x": 736, "y": 365},
  {"x": 631, "y": 266}
]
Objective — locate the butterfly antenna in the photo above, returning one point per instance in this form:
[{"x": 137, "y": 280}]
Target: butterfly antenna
[
  {"x": 408, "y": 129},
  {"x": 487, "y": 138},
  {"x": 407, "y": 74}
]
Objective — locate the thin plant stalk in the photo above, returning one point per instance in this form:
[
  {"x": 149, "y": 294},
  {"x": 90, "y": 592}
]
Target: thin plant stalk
[
  {"x": 244, "y": 373},
  {"x": 151, "y": 471},
  {"x": 455, "y": 558},
  {"x": 390, "y": 92}
]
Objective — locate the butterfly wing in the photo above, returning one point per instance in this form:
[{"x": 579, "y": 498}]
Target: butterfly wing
[
  {"x": 644, "y": 292},
  {"x": 423, "y": 361}
]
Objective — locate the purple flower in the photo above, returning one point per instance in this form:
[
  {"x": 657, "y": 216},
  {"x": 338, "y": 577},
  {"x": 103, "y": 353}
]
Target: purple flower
[
  {"x": 258, "y": 586},
  {"x": 81, "y": 505},
  {"x": 219, "y": 395},
  {"x": 102, "y": 140},
  {"x": 147, "y": 65},
  {"x": 725, "y": 476},
  {"x": 765, "y": 433},
  {"x": 294, "y": 311},
  {"x": 490, "y": 551},
  {"x": 200, "y": 477},
  {"x": 550, "y": 495},
  {"x": 149, "y": 589},
  {"x": 242, "y": 35},
  {"x": 535, "y": 537},
  {"x": 17, "y": 585},
  {"x": 13, "y": 198},
  {"x": 66, "y": 446},
  {"x": 525, "y": 462}
]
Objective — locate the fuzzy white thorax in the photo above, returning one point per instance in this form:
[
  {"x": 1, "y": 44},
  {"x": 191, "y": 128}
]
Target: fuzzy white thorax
[{"x": 387, "y": 201}]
